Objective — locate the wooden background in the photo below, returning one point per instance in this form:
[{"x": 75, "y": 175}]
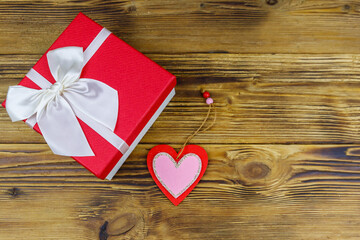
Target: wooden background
[{"x": 284, "y": 154}]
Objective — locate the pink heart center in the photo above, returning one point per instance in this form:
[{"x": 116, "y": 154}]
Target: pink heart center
[{"x": 177, "y": 177}]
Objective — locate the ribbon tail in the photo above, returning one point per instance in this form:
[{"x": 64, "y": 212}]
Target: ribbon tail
[
  {"x": 95, "y": 99},
  {"x": 62, "y": 131}
]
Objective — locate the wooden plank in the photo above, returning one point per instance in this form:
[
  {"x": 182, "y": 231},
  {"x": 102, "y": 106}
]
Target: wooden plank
[
  {"x": 283, "y": 156},
  {"x": 248, "y": 192},
  {"x": 158, "y": 26},
  {"x": 261, "y": 98}
]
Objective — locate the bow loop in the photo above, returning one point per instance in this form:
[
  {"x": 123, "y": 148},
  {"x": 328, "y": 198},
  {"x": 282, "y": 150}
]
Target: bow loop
[
  {"x": 66, "y": 64},
  {"x": 91, "y": 97},
  {"x": 54, "y": 106}
]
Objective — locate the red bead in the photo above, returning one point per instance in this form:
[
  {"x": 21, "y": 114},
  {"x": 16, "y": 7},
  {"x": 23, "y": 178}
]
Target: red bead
[{"x": 206, "y": 94}]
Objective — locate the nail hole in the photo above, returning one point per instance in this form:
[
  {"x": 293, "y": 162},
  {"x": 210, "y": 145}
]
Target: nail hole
[
  {"x": 347, "y": 7},
  {"x": 14, "y": 192}
]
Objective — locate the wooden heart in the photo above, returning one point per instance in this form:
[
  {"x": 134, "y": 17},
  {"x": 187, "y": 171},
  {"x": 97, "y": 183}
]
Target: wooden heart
[{"x": 176, "y": 178}]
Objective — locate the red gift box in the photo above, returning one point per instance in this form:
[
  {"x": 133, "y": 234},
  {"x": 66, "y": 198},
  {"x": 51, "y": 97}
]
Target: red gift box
[{"x": 144, "y": 89}]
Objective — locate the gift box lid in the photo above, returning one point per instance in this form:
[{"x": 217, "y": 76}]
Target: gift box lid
[{"x": 144, "y": 88}]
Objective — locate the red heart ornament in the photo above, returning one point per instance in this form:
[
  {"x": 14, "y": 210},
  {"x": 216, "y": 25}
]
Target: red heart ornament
[{"x": 176, "y": 178}]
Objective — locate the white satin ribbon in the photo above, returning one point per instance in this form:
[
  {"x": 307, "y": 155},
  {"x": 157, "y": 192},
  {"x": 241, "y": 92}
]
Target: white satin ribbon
[{"x": 56, "y": 106}]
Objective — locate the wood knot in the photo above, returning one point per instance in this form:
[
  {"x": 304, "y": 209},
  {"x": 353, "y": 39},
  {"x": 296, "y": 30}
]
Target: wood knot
[
  {"x": 271, "y": 2},
  {"x": 103, "y": 235},
  {"x": 259, "y": 166},
  {"x": 256, "y": 170},
  {"x": 229, "y": 100},
  {"x": 122, "y": 224},
  {"x": 130, "y": 9}
]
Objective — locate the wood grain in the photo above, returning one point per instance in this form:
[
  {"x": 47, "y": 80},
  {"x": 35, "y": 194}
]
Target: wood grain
[
  {"x": 168, "y": 26},
  {"x": 286, "y": 191},
  {"x": 262, "y": 98},
  {"x": 284, "y": 155}
]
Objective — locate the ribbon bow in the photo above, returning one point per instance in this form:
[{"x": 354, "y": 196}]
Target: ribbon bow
[{"x": 55, "y": 106}]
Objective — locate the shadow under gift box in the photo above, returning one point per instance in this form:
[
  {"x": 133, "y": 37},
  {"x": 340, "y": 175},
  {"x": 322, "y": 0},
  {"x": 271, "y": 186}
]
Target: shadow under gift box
[{"x": 144, "y": 89}]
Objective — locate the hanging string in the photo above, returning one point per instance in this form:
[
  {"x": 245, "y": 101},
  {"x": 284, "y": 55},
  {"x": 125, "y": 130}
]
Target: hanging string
[{"x": 211, "y": 106}]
